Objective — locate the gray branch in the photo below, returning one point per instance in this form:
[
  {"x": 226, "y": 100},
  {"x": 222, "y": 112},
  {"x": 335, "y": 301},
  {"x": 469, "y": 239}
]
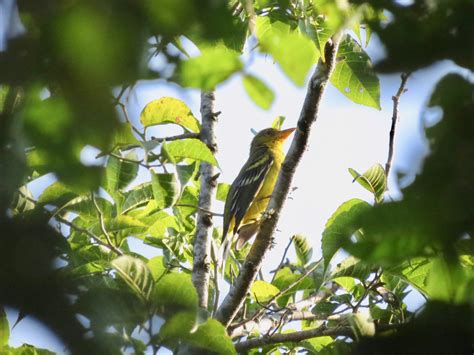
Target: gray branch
[
  {"x": 395, "y": 118},
  {"x": 309, "y": 113},
  {"x": 208, "y": 176}
]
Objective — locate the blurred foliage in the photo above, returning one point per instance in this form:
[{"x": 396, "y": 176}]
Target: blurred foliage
[{"x": 65, "y": 255}]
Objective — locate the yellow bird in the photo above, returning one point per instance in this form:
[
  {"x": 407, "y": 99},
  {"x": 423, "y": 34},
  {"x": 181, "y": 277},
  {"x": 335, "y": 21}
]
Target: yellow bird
[{"x": 250, "y": 192}]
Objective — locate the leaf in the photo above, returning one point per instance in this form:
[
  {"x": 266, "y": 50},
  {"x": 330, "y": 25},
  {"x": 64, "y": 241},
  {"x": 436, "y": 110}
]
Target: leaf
[
  {"x": 354, "y": 76},
  {"x": 120, "y": 173},
  {"x": 162, "y": 221},
  {"x": 374, "y": 180},
  {"x": 278, "y": 122},
  {"x": 23, "y": 201},
  {"x": 186, "y": 173},
  {"x": 320, "y": 32},
  {"x": 177, "y": 327},
  {"x": 4, "y": 328},
  {"x": 222, "y": 191},
  {"x": 169, "y": 110},
  {"x": 340, "y": 227},
  {"x": 212, "y": 336},
  {"x": 317, "y": 344},
  {"x": 175, "y": 293},
  {"x": 124, "y": 137},
  {"x": 362, "y": 324},
  {"x": 346, "y": 282},
  {"x": 263, "y": 291},
  {"x": 165, "y": 189},
  {"x": 56, "y": 194},
  {"x": 415, "y": 272},
  {"x": 302, "y": 248},
  {"x": 213, "y": 66},
  {"x": 352, "y": 267},
  {"x": 258, "y": 91},
  {"x": 294, "y": 52},
  {"x": 157, "y": 267},
  {"x": 191, "y": 148},
  {"x": 124, "y": 224},
  {"x": 139, "y": 196},
  {"x": 136, "y": 274}
]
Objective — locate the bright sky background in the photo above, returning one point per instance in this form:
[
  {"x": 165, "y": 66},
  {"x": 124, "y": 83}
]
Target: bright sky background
[{"x": 345, "y": 135}]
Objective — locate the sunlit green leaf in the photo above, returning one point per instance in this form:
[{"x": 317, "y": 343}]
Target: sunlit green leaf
[
  {"x": 169, "y": 110},
  {"x": 138, "y": 196},
  {"x": 175, "y": 293},
  {"x": 213, "y": 66},
  {"x": 120, "y": 173},
  {"x": 354, "y": 76},
  {"x": 277, "y": 39},
  {"x": 162, "y": 221},
  {"x": 258, "y": 91},
  {"x": 319, "y": 31},
  {"x": 212, "y": 337},
  {"x": 373, "y": 179},
  {"x": 278, "y": 122},
  {"x": 317, "y": 344},
  {"x": 56, "y": 194},
  {"x": 303, "y": 249},
  {"x": 157, "y": 267},
  {"x": 263, "y": 291},
  {"x": 222, "y": 191},
  {"x": 192, "y": 149},
  {"x": 340, "y": 227},
  {"x": 136, "y": 274},
  {"x": 352, "y": 267},
  {"x": 165, "y": 189}
]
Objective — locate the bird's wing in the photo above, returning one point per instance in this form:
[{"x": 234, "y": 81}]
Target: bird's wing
[{"x": 246, "y": 187}]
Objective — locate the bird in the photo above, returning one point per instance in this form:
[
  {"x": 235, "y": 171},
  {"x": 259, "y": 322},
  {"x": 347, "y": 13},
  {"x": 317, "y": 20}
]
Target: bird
[{"x": 250, "y": 193}]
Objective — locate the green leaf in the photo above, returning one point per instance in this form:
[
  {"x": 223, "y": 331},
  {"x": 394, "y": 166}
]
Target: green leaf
[
  {"x": 23, "y": 201},
  {"x": 27, "y": 349},
  {"x": 212, "y": 67},
  {"x": 56, "y": 194},
  {"x": 354, "y": 76},
  {"x": 4, "y": 328},
  {"x": 138, "y": 196},
  {"x": 124, "y": 137},
  {"x": 120, "y": 173},
  {"x": 303, "y": 249},
  {"x": 258, "y": 91},
  {"x": 373, "y": 179},
  {"x": 165, "y": 189},
  {"x": 317, "y": 344},
  {"x": 222, "y": 191},
  {"x": 320, "y": 32},
  {"x": 263, "y": 291},
  {"x": 340, "y": 227},
  {"x": 162, "y": 221},
  {"x": 136, "y": 274},
  {"x": 177, "y": 327},
  {"x": 157, "y": 267},
  {"x": 186, "y": 173},
  {"x": 415, "y": 272},
  {"x": 449, "y": 282},
  {"x": 294, "y": 52},
  {"x": 352, "y": 267},
  {"x": 278, "y": 122},
  {"x": 175, "y": 293},
  {"x": 362, "y": 324},
  {"x": 212, "y": 337},
  {"x": 124, "y": 224},
  {"x": 192, "y": 149},
  {"x": 346, "y": 282},
  {"x": 169, "y": 110}
]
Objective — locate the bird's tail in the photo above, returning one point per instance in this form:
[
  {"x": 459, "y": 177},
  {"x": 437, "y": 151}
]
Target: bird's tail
[{"x": 224, "y": 253}]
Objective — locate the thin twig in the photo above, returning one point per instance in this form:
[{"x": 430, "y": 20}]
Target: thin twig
[
  {"x": 200, "y": 209},
  {"x": 282, "y": 259},
  {"x": 395, "y": 118},
  {"x": 186, "y": 135}
]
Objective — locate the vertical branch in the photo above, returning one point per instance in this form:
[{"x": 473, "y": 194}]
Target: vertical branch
[
  {"x": 309, "y": 113},
  {"x": 395, "y": 117},
  {"x": 208, "y": 176}
]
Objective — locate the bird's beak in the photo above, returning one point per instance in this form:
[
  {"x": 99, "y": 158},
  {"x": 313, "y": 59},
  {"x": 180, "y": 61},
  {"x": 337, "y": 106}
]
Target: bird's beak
[{"x": 285, "y": 133}]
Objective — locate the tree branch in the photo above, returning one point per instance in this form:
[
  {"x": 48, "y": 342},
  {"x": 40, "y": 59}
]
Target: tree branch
[
  {"x": 309, "y": 113},
  {"x": 208, "y": 176},
  {"x": 303, "y": 335},
  {"x": 395, "y": 118}
]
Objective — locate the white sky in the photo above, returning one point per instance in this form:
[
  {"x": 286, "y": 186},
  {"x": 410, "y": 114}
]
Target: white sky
[{"x": 345, "y": 135}]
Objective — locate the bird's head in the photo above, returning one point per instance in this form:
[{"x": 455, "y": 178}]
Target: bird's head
[{"x": 270, "y": 137}]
